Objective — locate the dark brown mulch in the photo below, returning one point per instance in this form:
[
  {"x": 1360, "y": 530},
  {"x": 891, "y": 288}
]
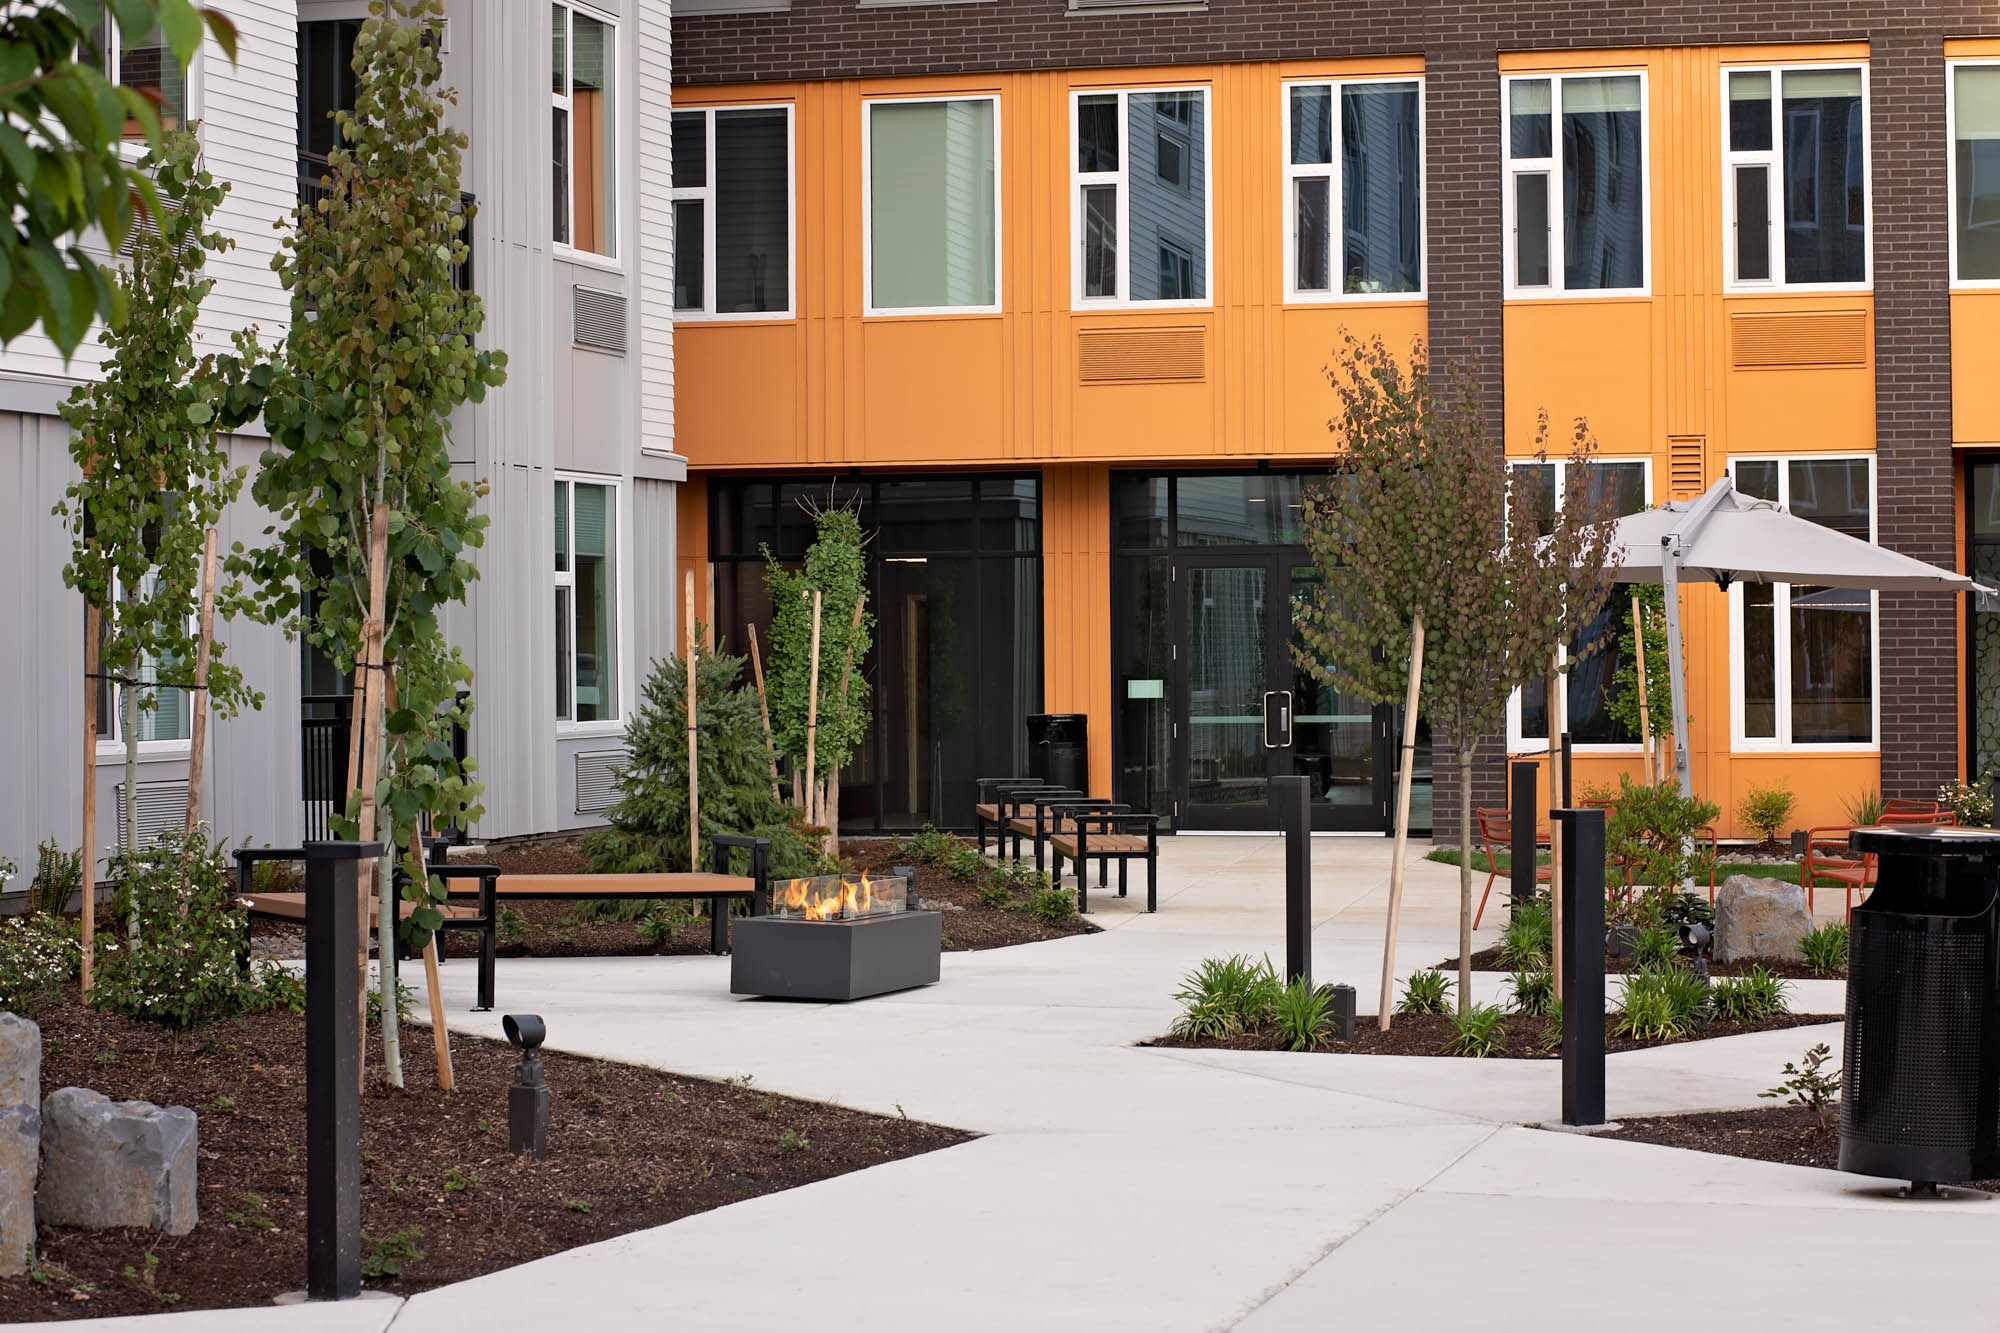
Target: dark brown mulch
[
  {"x": 1489, "y": 960},
  {"x": 1524, "y": 1038},
  {"x": 968, "y": 924},
  {"x": 629, "y": 1148},
  {"x": 1790, "y": 1134}
]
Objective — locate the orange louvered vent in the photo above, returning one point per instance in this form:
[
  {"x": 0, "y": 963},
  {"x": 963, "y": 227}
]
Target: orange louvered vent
[
  {"x": 1812, "y": 339},
  {"x": 1686, "y": 476},
  {"x": 1142, "y": 356}
]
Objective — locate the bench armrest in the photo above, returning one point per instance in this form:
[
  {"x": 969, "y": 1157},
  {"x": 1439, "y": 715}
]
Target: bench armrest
[
  {"x": 721, "y": 844},
  {"x": 1115, "y": 821},
  {"x": 248, "y": 857}
]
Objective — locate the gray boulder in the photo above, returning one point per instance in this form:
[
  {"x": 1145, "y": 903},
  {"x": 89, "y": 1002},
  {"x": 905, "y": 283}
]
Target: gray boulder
[
  {"x": 116, "y": 1164},
  {"x": 1759, "y": 918},
  {"x": 20, "y": 1149},
  {"x": 20, "y": 1061}
]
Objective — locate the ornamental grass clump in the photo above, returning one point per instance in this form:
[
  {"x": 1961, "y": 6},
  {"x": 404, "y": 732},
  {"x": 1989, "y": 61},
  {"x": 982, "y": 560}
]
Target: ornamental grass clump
[
  {"x": 1534, "y": 991},
  {"x": 1656, "y": 947},
  {"x": 1662, "y": 1004},
  {"x": 1302, "y": 1014},
  {"x": 1226, "y": 997},
  {"x": 1426, "y": 992},
  {"x": 1825, "y": 949},
  {"x": 1750, "y": 998},
  {"x": 1529, "y": 938},
  {"x": 1479, "y": 1032}
]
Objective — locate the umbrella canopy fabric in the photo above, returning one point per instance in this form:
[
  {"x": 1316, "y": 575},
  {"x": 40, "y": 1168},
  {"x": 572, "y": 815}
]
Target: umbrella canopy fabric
[{"x": 1742, "y": 540}]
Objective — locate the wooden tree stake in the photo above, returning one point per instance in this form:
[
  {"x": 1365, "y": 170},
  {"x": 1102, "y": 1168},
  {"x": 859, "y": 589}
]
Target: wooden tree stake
[
  {"x": 1645, "y": 713},
  {"x": 1388, "y": 1001},
  {"x": 812, "y": 710},
  {"x": 440, "y": 1036},
  {"x": 831, "y": 805},
  {"x": 89, "y": 905},
  {"x": 1558, "y": 799},
  {"x": 694, "y": 771},
  {"x": 370, "y": 722},
  {"x": 764, "y": 712},
  {"x": 205, "y": 637}
]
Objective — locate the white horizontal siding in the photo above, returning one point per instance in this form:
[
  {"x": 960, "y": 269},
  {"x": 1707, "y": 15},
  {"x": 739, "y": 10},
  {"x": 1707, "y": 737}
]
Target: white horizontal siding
[{"x": 656, "y": 227}]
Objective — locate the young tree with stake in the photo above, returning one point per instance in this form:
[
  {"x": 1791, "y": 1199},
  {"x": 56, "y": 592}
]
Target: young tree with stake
[{"x": 1438, "y": 584}]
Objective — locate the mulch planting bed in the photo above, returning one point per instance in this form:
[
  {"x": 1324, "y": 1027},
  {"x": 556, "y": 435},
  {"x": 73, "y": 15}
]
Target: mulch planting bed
[
  {"x": 1790, "y": 1134},
  {"x": 628, "y": 1148},
  {"x": 1525, "y": 1037},
  {"x": 1489, "y": 960},
  {"x": 968, "y": 924}
]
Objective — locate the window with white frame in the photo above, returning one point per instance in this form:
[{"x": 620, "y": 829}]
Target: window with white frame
[
  {"x": 586, "y": 593},
  {"x": 1795, "y": 175},
  {"x": 933, "y": 194},
  {"x": 1805, "y": 656},
  {"x": 584, "y": 128},
  {"x": 147, "y": 66},
  {"x": 1374, "y": 188},
  {"x": 160, "y": 696},
  {"x": 1576, "y": 189},
  {"x": 1975, "y": 174},
  {"x": 1598, "y": 655},
  {"x": 1140, "y": 197},
  {"x": 732, "y": 199}
]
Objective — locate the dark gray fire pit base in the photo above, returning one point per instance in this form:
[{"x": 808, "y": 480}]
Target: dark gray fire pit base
[{"x": 834, "y": 960}]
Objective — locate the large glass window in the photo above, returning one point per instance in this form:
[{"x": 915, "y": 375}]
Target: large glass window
[
  {"x": 1374, "y": 189},
  {"x": 1141, "y": 197},
  {"x": 1598, "y": 653},
  {"x": 1575, "y": 206},
  {"x": 1795, "y": 176},
  {"x": 586, "y": 601},
  {"x": 159, "y": 693},
  {"x": 1983, "y": 642},
  {"x": 583, "y": 131},
  {"x": 732, "y": 200},
  {"x": 933, "y": 205},
  {"x": 1806, "y": 655},
  {"x": 1975, "y": 173}
]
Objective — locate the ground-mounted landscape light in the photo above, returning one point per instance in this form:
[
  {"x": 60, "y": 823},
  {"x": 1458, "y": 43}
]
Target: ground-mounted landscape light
[
  {"x": 1695, "y": 939},
  {"x": 1342, "y": 1012},
  {"x": 908, "y": 874},
  {"x": 528, "y": 1096}
]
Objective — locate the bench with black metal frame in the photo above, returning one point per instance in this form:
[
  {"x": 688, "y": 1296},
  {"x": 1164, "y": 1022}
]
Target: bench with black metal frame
[
  {"x": 1052, "y": 816},
  {"x": 1012, "y": 801},
  {"x": 986, "y": 807},
  {"x": 1104, "y": 836},
  {"x": 1031, "y": 819}
]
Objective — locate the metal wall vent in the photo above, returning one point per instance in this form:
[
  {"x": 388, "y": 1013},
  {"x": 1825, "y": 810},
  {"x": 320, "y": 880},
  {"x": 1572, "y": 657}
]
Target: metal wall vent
[
  {"x": 1142, "y": 356},
  {"x": 599, "y": 320},
  {"x": 163, "y": 809},
  {"x": 1686, "y": 467},
  {"x": 1804, "y": 340},
  {"x": 597, "y": 776}
]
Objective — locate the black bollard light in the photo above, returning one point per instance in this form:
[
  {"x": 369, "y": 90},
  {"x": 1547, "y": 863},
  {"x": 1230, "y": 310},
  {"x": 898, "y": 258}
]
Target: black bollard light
[
  {"x": 908, "y": 874},
  {"x": 333, "y": 1068},
  {"x": 1291, "y": 799},
  {"x": 1343, "y": 1012},
  {"x": 528, "y": 1096},
  {"x": 1582, "y": 890}
]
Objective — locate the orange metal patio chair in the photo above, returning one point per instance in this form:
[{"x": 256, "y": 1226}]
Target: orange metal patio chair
[{"x": 1496, "y": 834}]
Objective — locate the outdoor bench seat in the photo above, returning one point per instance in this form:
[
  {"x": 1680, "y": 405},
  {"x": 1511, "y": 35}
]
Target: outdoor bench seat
[
  {"x": 988, "y": 805},
  {"x": 1054, "y": 812},
  {"x": 1105, "y": 836}
]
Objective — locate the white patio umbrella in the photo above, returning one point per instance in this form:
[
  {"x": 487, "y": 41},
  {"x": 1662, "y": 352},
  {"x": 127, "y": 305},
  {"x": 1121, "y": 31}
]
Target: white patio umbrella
[{"x": 1732, "y": 538}]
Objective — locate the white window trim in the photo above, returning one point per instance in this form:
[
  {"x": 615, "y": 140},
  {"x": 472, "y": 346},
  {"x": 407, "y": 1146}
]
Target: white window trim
[
  {"x": 1552, "y": 166},
  {"x": 191, "y": 86},
  {"x": 1771, "y": 159},
  {"x": 1782, "y": 645},
  {"x": 1951, "y": 68},
  {"x": 112, "y": 745},
  {"x": 705, "y": 193},
  {"x": 1336, "y": 197},
  {"x": 1516, "y": 741},
  {"x": 614, "y": 262},
  {"x": 869, "y": 308},
  {"x": 567, "y": 728},
  {"x": 1121, "y": 179}
]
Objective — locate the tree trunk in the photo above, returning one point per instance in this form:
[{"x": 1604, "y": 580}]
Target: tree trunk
[
  {"x": 830, "y": 806},
  {"x": 1558, "y": 798},
  {"x": 440, "y": 1036},
  {"x": 811, "y": 778},
  {"x": 764, "y": 712},
  {"x": 372, "y": 680},
  {"x": 694, "y": 768},
  {"x": 204, "y": 639},
  {"x": 387, "y": 919},
  {"x": 832, "y": 802},
  {"x": 128, "y": 698},
  {"x": 91, "y": 619},
  {"x": 1388, "y": 1001},
  {"x": 1465, "y": 749}
]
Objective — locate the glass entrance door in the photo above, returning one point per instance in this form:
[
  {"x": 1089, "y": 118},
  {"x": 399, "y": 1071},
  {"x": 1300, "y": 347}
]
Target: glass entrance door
[{"x": 1244, "y": 714}]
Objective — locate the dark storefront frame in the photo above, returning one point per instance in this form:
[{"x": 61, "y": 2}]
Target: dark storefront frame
[{"x": 910, "y": 526}]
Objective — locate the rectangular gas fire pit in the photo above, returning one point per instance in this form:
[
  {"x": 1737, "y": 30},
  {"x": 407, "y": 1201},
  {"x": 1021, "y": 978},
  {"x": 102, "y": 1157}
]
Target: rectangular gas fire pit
[{"x": 836, "y": 937}]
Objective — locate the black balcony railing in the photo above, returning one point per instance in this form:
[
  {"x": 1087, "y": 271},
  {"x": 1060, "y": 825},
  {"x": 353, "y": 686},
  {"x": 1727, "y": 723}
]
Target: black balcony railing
[
  {"x": 323, "y": 740},
  {"x": 313, "y": 188}
]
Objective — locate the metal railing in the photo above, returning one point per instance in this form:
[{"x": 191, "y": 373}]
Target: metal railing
[{"x": 323, "y": 743}]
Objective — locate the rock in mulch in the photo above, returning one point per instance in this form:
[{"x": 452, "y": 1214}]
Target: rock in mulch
[
  {"x": 20, "y": 1139},
  {"x": 1759, "y": 918},
  {"x": 116, "y": 1164}
]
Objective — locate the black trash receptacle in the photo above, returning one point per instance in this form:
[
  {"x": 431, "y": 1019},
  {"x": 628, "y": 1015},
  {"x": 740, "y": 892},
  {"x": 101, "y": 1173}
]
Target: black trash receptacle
[
  {"x": 1920, "y": 1083},
  {"x": 1058, "y": 749}
]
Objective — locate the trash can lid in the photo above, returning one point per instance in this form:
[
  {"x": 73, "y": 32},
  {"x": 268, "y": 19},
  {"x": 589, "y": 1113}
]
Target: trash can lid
[{"x": 1928, "y": 840}]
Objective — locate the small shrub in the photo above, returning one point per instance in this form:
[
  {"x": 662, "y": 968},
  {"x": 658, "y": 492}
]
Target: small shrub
[
  {"x": 1809, "y": 1084},
  {"x": 1751, "y": 998},
  {"x": 1426, "y": 992},
  {"x": 1766, "y": 809},
  {"x": 793, "y": 1141},
  {"x": 37, "y": 955},
  {"x": 458, "y": 1180},
  {"x": 1654, "y": 829},
  {"x": 1226, "y": 996},
  {"x": 1656, "y": 947},
  {"x": 582, "y": 1205},
  {"x": 1663, "y": 1004},
  {"x": 1971, "y": 802},
  {"x": 995, "y": 891},
  {"x": 1302, "y": 1013},
  {"x": 406, "y": 1000},
  {"x": 1550, "y": 1038},
  {"x": 1477, "y": 1032},
  {"x": 659, "y": 926},
  {"x": 593, "y": 911},
  {"x": 1052, "y": 904},
  {"x": 1529, "y": 938},
  {"x": 388, "y": 1253},
  {"x": 512, "y": 929},
  {"x": 58, "y": 877},
  {"x": 1825, "y": 948},
  {"x": 1534, "y": 991},
  {"x": 1865, "y": 807},
  {"x": 253, "y": 1217}
]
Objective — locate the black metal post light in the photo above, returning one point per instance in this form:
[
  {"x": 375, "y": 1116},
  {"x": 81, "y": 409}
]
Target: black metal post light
[
  {"x": 1582, "y": 891},
  {"x": 528, "y": 1096},
  {"x": 333, "y": 1068},
  {"x": 1291, "y": 797},
  {"x": 1522, "y": 781}
]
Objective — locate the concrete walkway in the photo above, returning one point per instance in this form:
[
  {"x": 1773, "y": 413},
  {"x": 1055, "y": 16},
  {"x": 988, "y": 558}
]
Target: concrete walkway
[{"x": 1118, "y": 1187}]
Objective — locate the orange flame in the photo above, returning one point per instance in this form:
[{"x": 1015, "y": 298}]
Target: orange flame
[{"x": 836, "y": 897}]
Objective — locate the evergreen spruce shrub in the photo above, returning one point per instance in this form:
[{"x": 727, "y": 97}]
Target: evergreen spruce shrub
[
  {"x": 183, "y": 970},
  {"x": 649, "y": 823}
]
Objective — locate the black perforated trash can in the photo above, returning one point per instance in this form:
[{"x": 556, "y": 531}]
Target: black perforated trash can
[
  {"x": 1920, "y": 1083},
  {"x": 1058, "y": 749}
]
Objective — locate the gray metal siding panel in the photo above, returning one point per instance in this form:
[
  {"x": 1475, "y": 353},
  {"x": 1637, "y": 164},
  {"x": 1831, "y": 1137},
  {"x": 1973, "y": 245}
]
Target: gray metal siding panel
[{"x": 656, "y": 587}]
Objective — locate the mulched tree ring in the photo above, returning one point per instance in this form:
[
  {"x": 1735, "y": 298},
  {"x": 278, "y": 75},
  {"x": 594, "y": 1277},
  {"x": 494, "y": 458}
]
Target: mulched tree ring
[
  {"x": 1523, "y": 1037},
  {"x": 630, "y": 1148}
]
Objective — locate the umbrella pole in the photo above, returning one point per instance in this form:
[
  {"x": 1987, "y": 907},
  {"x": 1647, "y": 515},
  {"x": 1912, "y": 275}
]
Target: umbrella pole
[{"x": 1670, "y": 580}]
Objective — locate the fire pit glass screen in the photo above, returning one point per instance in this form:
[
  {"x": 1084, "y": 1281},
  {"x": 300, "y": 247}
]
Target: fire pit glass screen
[{"x": 837, "y": 897}]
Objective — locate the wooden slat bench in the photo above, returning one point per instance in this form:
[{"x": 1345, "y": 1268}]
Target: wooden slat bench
[
  {"x": 1104, "y": 837},
  {"x": 492, "y": 887},
  {"x": 999, "y": 800}
]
